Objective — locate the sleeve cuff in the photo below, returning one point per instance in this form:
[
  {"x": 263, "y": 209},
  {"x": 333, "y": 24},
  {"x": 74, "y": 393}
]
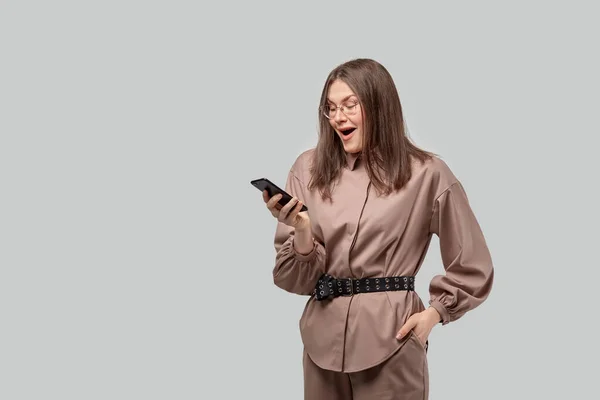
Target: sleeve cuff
[
  {"x": 439, "y": 307},
  {"x": 305, "y": 257}
]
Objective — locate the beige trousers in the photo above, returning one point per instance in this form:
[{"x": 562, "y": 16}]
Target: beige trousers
[{"x": 403, "y": 376}]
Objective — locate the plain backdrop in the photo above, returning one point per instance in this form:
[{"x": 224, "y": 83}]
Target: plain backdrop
[{"x": 136, "y": 259}]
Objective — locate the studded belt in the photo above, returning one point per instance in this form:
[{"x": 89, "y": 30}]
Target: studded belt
[{"x": 329, "y": 287}]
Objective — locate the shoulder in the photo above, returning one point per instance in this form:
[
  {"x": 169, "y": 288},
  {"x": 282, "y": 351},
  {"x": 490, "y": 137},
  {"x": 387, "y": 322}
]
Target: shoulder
[
  {"x": 302, "y": 165},
  {"x": 436, "y": 173}
]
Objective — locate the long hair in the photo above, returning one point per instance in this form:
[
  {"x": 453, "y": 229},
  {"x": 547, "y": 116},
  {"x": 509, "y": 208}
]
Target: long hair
[{"x": 387, "y": 149}]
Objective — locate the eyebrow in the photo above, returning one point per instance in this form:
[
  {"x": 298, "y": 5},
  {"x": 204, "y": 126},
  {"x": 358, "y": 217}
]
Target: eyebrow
[{"x": 344, "y": 99}]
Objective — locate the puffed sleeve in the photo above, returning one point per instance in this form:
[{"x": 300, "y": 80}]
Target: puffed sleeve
[
  {"x": 465, "y": 255},
  {"x": 295, "y": 272}
]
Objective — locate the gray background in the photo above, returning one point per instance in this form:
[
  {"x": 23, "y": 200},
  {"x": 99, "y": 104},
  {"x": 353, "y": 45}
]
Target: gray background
[{"x": 130, "y": 132}]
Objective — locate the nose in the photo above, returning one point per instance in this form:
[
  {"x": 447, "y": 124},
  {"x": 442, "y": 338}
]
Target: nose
[{"x": 339, "y": 116}]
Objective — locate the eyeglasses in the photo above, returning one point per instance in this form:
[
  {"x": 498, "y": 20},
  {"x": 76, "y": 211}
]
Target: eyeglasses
[{"x": 347, "y": 107}]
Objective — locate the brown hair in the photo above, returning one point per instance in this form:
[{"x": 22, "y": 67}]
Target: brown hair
[{"x": 387, "y": 149}]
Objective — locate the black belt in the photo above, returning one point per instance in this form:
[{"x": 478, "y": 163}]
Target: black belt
[{"x": 329, "y": 287}]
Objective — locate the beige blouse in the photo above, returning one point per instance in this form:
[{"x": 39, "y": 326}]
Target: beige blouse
[{"x": 391, "y": 237}]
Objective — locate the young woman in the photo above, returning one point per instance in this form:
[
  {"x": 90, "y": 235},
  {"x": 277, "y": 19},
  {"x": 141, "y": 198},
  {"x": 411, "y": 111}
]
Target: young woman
[{"x": 374, "y": 201}]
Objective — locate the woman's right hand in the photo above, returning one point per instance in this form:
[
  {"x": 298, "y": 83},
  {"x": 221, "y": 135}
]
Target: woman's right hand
[{"x": 290, "y": 213}]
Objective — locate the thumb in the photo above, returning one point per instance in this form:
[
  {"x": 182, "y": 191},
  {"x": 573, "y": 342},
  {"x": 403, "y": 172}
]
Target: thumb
[{"x": 410, "y": 323}]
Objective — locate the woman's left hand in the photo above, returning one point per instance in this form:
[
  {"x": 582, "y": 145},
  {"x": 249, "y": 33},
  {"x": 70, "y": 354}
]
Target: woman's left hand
[{"x": 421, "y": 323}]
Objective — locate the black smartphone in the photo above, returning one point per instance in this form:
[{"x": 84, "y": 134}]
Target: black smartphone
[{"x": 272, "y": 189}]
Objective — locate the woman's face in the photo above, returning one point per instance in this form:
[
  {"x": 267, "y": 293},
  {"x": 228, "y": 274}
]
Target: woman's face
[{"x": 349, "y": 125}]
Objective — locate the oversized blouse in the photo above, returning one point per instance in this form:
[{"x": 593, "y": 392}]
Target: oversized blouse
[{"x": 363, "y": 235}]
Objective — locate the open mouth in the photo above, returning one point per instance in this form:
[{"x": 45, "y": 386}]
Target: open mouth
[{"x": 348, "y": 131}]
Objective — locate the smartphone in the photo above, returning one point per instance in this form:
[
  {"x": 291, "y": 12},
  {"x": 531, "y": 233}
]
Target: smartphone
[{"x": 272, "y": 189}]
